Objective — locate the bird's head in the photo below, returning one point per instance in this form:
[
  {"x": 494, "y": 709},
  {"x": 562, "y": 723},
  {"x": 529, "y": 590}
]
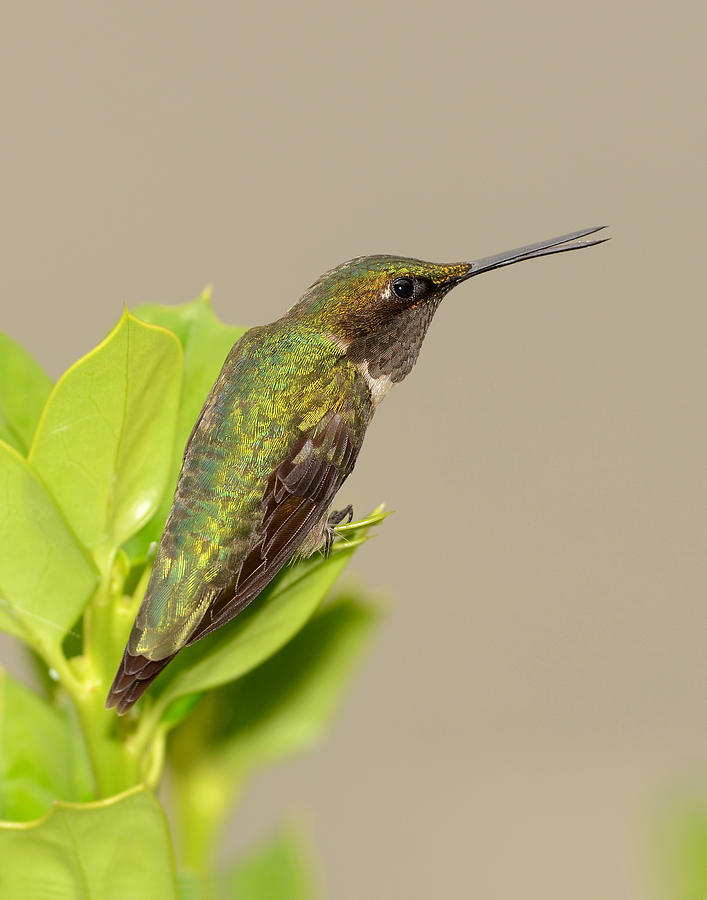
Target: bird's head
[{"x": 377, "y": 308}]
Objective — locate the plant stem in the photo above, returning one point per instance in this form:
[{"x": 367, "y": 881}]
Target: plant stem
[
  {"x": 113, "y": 769},
  {"x": 55, "y": 659},
  {"x": 155, "y": 762},
  {"x": 118, "y": 761},
  {"x": 203, "y": 795}
]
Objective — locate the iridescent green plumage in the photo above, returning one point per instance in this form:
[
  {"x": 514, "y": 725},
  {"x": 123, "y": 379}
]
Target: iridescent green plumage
[
  {"x": 255, "y": 414},
  {"x": 279, "y": 433}
]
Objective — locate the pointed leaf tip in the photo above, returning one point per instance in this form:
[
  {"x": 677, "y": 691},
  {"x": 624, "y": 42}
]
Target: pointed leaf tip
[{"x": 112, "y": 416}]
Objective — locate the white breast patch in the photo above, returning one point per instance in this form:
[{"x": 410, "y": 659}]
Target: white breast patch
[{"x": 379, "y": 386}]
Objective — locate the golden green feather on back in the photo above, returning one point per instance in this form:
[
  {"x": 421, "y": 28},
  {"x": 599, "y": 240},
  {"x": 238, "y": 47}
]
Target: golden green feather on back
[{"x": 276, "y": 384}]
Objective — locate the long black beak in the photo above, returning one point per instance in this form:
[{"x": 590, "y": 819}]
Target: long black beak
[{"x": 532, "y": 251}]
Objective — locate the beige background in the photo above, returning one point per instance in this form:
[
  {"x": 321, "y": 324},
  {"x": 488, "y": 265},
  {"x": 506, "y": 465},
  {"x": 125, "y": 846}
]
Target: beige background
[{"x": 539, "y": 683}]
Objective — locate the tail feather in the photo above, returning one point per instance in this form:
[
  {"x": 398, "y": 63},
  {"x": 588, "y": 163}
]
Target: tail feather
[{"x": 135, "y": 674}]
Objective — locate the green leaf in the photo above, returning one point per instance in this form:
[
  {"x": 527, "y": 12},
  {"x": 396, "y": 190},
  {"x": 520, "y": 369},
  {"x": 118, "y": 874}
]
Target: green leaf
[
  {"x": 266, "y": 625},
  {"x": 180, "y": 708},
  {"x": 278, "y": 709},
  {"x": 280, "y": 869},
  {"x": 118, "y": 848},
  {"x": 283, "y": 706},
  {"x": 41, "y": 759},
  {"x": 24, "y": 388},
  {"x": 206, "y": 342},
  {"x": 45, "y": 576},
  {"x": 196, "y": 887},
  {"x": 105, "y": 440},
  {"x": 680, "y": 846}
]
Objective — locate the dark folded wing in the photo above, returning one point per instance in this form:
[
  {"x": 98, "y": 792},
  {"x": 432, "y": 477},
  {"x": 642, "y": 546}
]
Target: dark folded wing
[{"x": 297, "y": 496}]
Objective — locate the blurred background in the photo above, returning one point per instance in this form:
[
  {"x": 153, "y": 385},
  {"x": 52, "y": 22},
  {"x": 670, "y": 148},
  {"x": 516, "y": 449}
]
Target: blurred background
[{"x": 536, "y": 695}]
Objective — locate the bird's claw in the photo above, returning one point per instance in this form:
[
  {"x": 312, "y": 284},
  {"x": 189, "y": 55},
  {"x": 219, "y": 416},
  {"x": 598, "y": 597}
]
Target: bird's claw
[{"x": 334, "y": 519}]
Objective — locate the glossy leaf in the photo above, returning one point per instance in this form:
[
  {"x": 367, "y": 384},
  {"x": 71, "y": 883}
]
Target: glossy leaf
[
  {"x": 283, "y": 706},
  {"x": 24, "y": 388},
  {"x": 206, "y": 342},
  {"x": 258, "y": 632},
  {"x": 280, "y": 869},
  {"x": 41, "y": 759},
  {"x": 105, "y": 440},
  {"x": 45, "y": 576},
  {"x": 115, "y": 848}
]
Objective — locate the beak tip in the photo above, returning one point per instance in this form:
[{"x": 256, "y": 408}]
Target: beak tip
[{"x": 533, "y": 251}]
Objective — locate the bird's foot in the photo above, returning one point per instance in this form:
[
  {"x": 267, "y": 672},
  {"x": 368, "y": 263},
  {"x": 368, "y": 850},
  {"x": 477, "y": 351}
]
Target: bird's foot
[
  {"x": 338, "y": 516},
  {"x": 335, "y": 518}
]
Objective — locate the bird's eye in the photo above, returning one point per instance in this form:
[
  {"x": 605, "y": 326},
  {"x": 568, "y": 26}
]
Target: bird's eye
[{"x": 403, "y": 288}]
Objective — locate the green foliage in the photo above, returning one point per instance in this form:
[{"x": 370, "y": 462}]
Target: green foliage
[
  {"x": 278, "y": 709},
  {"x": 680, "y": 847},
  {"x": 41, "y": 759},
  {"x": 20, "y": 410},
  {"x": 281, "y": 707},
  {"x": 280, "y": 611},
  {"x": 278, "y": 869},
  {"x": 99, "y": 447},
  {"x": 87, "y": 473},
  {"x": 118, "y": 847},
  {"x": 40, "y": 559}
]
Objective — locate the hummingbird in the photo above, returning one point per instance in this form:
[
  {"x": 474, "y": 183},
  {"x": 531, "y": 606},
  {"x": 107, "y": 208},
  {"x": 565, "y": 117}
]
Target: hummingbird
[{"x": 278, "y": 435}]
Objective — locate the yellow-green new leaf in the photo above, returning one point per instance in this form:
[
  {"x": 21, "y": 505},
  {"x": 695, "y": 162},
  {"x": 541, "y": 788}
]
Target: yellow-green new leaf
[
  {"x": 24, "y": 388},
  {"x": 117, "y": 848},
  {"x": 46, "y": 577},
  {"x": 105, "y": 440}
]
